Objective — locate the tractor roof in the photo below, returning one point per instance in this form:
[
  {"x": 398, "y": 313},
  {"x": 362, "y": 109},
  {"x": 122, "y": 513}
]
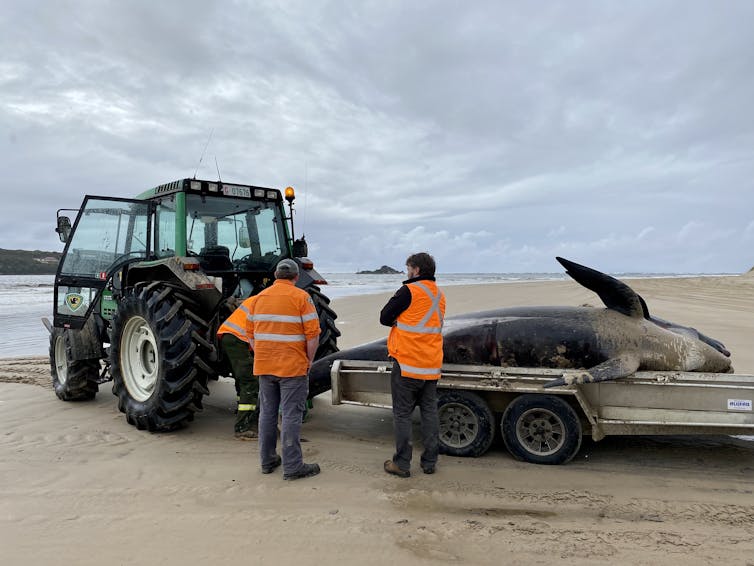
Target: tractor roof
[{"x": 211, "y": 188}]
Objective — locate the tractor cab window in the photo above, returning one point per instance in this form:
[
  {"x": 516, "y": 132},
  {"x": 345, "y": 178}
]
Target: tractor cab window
[
  {"x": 250, "y": 232},
  {"x": 164, "y": 236},
  {"x": 107, "y": 233}
]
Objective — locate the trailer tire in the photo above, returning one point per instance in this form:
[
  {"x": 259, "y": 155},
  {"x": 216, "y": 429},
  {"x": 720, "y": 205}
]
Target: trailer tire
[
  {"x": 541, "y": 429},
  {"x": 156, "y": 362},
  {"x": 467, "y": 424},
  {"x": 73, "y": 380}
]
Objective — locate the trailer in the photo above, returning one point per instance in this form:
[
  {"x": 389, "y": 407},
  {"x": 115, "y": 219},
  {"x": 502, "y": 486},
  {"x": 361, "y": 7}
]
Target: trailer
[{"x": 545, "y": 426}]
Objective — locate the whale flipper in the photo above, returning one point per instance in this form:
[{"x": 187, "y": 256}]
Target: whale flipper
[
  {"x": 615, "y": 294},
  {"x": 614, "y": 368}
]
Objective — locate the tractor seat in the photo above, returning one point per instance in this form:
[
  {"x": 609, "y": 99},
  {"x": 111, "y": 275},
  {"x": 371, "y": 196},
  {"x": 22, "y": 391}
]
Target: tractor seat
[{"x": 215, "y": 258}]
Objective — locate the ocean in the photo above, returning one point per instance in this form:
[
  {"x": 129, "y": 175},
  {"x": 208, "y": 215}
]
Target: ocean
[{"x": 25, "y": 299}]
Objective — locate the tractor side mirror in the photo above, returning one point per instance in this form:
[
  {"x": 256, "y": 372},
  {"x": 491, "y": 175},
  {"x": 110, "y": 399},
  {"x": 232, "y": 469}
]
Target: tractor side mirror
[
  {"x": 64, "y": 228},
  {"x": 243, "y": 238}
]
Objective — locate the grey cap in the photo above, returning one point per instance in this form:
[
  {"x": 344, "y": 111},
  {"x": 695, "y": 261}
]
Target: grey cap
[{"x": 286, "y": 268}]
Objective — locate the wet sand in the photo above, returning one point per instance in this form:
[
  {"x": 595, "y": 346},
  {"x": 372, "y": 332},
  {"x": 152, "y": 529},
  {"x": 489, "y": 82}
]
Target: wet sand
[{"x": 78, "y": 485}]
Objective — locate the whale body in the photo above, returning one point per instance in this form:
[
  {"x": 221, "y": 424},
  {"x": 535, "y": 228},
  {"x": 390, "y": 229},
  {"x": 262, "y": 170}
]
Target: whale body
[{"x": 606, "y": 343}]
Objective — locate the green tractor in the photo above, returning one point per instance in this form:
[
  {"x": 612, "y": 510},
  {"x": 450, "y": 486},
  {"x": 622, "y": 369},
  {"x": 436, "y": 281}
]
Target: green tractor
[{"x": 144, "y": 284}]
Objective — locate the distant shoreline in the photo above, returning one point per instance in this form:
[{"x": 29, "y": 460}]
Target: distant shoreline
[{"x": 28, "y": 262}]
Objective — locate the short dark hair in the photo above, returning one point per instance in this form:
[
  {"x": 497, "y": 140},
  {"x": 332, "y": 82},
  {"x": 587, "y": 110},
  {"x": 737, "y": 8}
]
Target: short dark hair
[{"x": 425, "y": 263}]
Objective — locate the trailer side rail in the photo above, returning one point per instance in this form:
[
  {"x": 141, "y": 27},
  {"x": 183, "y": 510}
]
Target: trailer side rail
[{"x": 648, "y": 402}]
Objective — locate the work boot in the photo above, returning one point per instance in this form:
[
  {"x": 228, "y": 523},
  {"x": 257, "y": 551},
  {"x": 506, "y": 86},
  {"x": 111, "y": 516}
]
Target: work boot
[
  {"x": 247, "y": 426},
  {"x": 392, "y": 468},
  {"x": 268, "y": 469},
  {"x": 246, "y": 434},
  {"x": 305, "y": 471}
]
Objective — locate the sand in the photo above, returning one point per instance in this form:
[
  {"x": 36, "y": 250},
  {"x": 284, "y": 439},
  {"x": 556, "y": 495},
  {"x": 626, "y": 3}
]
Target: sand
[{"x": 78, "y": 485}]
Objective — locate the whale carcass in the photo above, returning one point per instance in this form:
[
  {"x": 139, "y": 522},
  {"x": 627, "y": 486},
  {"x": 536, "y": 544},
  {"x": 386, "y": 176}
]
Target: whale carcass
[{"x": 606, "y": 343}]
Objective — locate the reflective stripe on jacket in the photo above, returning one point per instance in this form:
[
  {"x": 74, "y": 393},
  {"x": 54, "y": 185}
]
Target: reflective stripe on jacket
[
  {"x": 282, "y": 319},
  {"x": 416, "y": 338},
  {"x": 236, "y": 322}
]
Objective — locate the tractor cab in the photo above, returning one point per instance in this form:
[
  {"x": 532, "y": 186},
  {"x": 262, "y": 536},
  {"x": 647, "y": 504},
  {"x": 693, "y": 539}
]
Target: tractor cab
[{"x": 233, "y": 234}]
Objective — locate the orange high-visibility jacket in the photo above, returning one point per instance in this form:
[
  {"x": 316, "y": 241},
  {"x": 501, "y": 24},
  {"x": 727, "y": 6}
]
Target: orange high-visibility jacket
[
  {"x": 282, "y": 319},
  {"x": 236, "y": 322},
  {"x": 416, "y": 338}
]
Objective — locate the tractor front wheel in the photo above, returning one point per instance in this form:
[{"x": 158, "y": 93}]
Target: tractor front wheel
[{"x": 73, "y": 380}]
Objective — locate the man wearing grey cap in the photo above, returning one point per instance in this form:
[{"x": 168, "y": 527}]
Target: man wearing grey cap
[{"x": 283, "y": 328}]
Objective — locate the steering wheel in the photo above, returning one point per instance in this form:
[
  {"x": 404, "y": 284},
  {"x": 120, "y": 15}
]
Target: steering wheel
[{"x": 250, "y": 261}]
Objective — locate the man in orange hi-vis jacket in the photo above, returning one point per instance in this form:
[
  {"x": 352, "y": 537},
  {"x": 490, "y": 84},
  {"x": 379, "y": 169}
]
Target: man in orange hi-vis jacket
[
  {"x": 415, "y": 314},
  {"x": 284, "y": 331}
]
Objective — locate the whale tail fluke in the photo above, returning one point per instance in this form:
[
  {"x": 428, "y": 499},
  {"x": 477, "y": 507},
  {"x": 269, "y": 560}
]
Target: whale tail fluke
[{"x": 615, "y": 294}]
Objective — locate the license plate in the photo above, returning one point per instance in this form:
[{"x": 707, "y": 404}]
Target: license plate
[{"x": 236, "y": 191}]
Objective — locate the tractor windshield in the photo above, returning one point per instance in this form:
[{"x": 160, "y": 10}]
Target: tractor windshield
[{"x": 245, "y": 231}]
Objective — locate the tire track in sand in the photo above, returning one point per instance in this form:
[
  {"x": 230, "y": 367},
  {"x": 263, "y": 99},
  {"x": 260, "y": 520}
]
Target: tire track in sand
[{"x": 29, "y": 370}]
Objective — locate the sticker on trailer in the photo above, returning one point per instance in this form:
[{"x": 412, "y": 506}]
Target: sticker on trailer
[{"x": 739, "y": 404}]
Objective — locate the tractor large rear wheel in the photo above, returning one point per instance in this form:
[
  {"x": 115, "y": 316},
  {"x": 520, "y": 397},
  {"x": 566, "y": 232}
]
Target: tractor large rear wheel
[
  {"x": 73, "y": 380},
  {"x": 328, "y": 337},
  {"x": 156, "y": 360}
]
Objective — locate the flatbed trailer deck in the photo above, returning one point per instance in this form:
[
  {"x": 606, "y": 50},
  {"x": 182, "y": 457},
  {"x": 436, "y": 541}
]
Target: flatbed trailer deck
[{"x": 545, "y": 426}]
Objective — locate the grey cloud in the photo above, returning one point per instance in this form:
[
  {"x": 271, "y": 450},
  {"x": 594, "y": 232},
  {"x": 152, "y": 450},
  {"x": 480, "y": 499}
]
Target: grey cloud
[{"x": 496, "y": 135}]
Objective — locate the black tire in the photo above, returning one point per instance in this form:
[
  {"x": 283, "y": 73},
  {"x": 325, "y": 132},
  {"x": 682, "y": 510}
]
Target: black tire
[
  {"x": 73, "y": 380},
  {"x": 329, "y": 333},
  {"x": 156, "y": 358},
  {"x": 467, "y": 425},
  {"x": 541, "y": 429}
]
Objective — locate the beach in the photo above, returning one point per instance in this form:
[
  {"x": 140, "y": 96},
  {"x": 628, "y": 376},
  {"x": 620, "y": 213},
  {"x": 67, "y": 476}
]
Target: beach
[{"x": 78, "y": 485}]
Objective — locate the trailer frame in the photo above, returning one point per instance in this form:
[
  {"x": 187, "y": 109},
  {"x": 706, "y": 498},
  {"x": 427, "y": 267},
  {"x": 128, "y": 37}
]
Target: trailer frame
[{"x": 645, "y": 403}]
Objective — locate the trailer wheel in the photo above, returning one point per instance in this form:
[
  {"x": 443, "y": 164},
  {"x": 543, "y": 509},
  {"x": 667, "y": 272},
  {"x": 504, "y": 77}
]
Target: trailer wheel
[
  {"x": 73, "y": 380},
  {"x": 156, "y": 359},
  {"x": 467, "y": 425},
  {"x": 541, "y": 429}
]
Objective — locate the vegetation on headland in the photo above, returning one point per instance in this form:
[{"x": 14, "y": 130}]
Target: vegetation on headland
[
  {"x": 385, "y": 269},
  {"x": 28, "y": 262}
]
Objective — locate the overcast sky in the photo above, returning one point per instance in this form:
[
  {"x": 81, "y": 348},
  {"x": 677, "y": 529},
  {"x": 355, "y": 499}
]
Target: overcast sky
[{"x": 495, "y": 135}]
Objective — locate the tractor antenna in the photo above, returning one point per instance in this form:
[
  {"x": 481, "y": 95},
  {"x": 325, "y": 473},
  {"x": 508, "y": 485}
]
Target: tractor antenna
[
  {"x": 306, "y": 194},
  {"x": 205, "y": 149},
  {"x": 218, "y": 170}
]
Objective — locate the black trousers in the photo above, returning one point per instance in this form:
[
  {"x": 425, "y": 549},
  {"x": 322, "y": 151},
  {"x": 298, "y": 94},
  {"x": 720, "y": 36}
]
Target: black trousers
[
  {"x": 407, "y": 394},
  {"x": 247, "y": 384}
]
